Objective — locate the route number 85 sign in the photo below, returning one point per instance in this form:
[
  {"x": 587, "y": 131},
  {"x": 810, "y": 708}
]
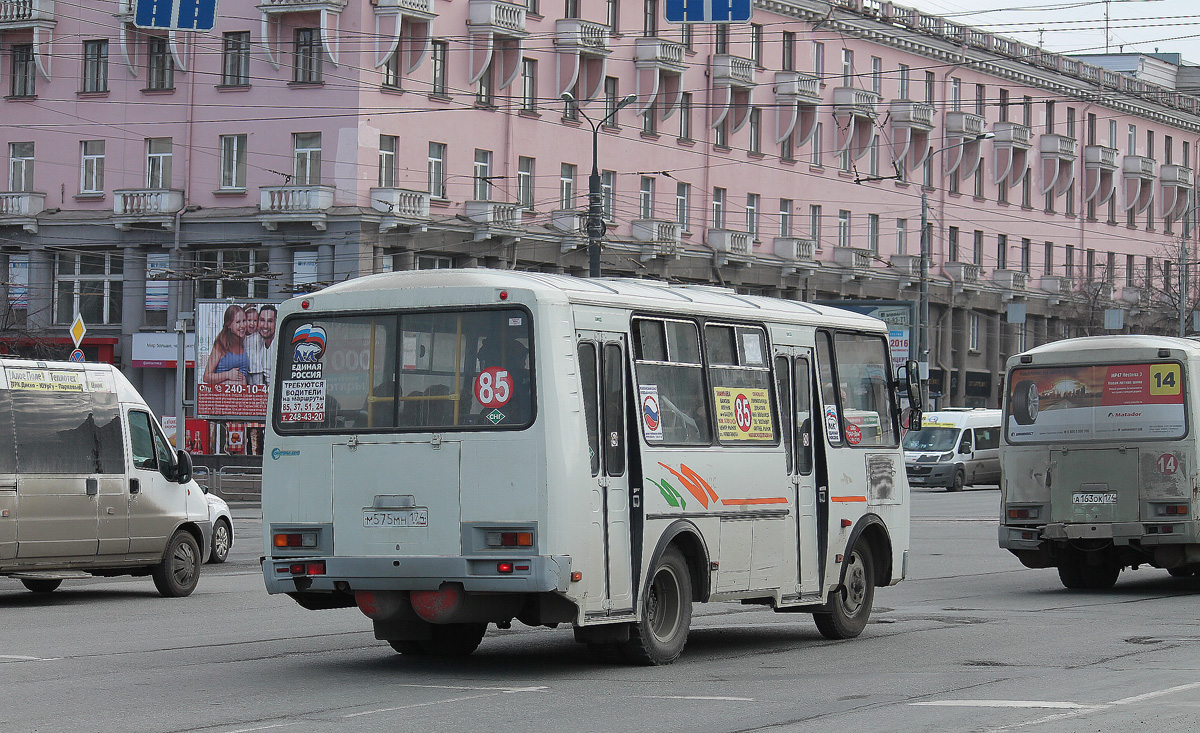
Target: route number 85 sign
[{"x": 493, "y": 387}]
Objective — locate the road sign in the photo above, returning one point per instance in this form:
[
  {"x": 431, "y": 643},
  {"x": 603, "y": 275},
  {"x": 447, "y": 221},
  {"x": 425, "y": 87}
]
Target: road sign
[
  {"x": 175, "y": 15},
  {"x": 708, "y": 11},
  {"x": 78, "y": 330},
  {"x": 77, "y": 356}
]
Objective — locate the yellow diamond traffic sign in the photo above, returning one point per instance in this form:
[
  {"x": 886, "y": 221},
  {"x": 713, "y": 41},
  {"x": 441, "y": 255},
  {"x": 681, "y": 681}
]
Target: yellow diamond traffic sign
[{"x": 78, "y": 330}]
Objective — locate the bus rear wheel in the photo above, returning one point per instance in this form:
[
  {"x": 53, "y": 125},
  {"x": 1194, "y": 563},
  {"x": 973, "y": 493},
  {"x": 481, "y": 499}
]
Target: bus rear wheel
[
  {"x": 449, "y": 640},
  {"x": 846, "y": 613},
  {"x": 659, "y": 636},
  {"x": 1079, "y": 575}
]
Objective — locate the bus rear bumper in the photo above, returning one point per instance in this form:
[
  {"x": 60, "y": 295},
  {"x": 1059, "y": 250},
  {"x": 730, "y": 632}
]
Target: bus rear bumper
[{"x": 538, "y": 574}]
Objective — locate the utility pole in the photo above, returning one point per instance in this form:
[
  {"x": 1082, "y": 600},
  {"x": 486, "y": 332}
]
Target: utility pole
[
  {"x": 1183, "y": 279},
  {"x": 923, "y": 307}
]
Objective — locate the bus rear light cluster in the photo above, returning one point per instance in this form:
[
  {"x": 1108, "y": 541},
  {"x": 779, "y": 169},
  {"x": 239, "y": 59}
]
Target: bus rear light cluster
[
  {"x": 1160, "y": 529},
  {"x": 506, "y": 568},
  {"x": 1027, "y": 512},
  {"x": 510, "y": 539},
  {"x": 296, "y": 539},
  {"x": 1171, "y": 510},
  {"x": 302, "y": 568}
]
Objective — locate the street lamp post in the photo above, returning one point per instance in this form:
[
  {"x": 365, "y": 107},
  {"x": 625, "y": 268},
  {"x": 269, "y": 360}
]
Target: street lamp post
[{"x": 595, "y": 218}]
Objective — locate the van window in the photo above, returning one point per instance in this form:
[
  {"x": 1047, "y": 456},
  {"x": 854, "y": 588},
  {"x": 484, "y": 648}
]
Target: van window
[
  {"x": 987, "y": 438},
  {"x": 668, "y": 368},
  {"x": 931, "y": 439},
  {"x": 59, "y": 432},
  {"x": 965, "y": 445},
  {"x": 141, "y": 441}
]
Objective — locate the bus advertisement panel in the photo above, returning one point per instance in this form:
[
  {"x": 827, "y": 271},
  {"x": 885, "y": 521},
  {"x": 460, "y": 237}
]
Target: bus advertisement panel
[{"x": 1087, "y": 403}]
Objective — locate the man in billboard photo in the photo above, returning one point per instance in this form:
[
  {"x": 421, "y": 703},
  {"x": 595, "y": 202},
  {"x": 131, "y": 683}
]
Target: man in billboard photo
[{"x": 258, "y": 345}]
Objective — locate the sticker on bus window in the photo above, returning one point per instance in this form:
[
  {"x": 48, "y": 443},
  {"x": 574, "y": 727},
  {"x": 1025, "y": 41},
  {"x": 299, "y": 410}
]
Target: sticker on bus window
[
  {"x": 833, "y": 426},
  {"x": 302, "y": 400},
  {"x": 651, "y": 412},
  {"x": 45, "y": 380},
  {"x": 493, "y": 387},
  {"x": 752, "y": 348},
  {"x": 416, "y": 350},
  {"x": 743, "y": 413},
  {"x": 308, "y": 346}
]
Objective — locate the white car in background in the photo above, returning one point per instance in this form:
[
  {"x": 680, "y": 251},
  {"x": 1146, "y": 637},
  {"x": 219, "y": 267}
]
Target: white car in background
[{"x": 222, "y": 527}]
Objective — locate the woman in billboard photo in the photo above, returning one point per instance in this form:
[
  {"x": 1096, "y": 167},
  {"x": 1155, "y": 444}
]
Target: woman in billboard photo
[{"x": 228, "y": 362}]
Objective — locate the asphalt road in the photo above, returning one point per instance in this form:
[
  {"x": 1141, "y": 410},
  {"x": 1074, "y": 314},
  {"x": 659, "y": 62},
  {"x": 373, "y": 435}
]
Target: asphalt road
[{"x": 970, "y": 642}]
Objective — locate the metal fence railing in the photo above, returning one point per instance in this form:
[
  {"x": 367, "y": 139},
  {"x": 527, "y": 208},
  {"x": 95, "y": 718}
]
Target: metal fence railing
[{"x": 232, "y": 483}]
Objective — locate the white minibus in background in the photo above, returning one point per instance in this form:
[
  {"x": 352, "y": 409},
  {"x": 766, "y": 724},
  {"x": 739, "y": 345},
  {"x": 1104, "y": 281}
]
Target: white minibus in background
[
  {"x": 1099, "y": 457},
  {"x": 955, "y": 447},
  {"x": 453, "y": 448}
]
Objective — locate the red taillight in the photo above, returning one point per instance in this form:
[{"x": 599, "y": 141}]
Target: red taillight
[
  {"x": 1018, "y": 514},
  {"x": 1175, "y": 509},
  {"x": 504, "y": 567},
  {"x": 297, "y": 568},
  {"x": 295, "y": 539},
  {"x": 314, "y": 568},
  {"x": 510, "y": 539}
]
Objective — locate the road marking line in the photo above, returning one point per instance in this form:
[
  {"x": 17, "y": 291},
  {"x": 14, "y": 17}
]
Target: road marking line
[
  {"x": 696, "y": 697},
  {"x": 477, "y": 689},
  {"x": 1156, "y": 693},
  {"x": 262, "y": 727},
  {"x": 1007, "y": 704},
  {"x": 492, "y": 692},
  {"x": 19, "y": 658}
]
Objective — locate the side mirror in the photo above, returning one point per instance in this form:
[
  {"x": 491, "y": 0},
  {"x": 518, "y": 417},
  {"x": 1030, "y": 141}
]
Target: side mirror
[
  {"x": 183, "y": 469},
  {"x": 911, "y": 378}
]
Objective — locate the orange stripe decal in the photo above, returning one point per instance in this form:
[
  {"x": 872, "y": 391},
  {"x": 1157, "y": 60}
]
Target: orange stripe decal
[
  {"x": 849, "y": 498},
  {"x": 744, "y": 502}
]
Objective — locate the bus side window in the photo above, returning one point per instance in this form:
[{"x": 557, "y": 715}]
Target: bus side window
[
  {"x": 782, "y": 381},
  {"x": 142, "y": 441},
  {"x": 803, "y": 395},
  {"x": 590, "y": 386},
  {"x": 831, "y": 419}
]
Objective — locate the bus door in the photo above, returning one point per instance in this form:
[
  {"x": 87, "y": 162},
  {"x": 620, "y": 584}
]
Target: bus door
[
  {"x": 602, "y": 374},
  {"x": 794, "y": 385}
]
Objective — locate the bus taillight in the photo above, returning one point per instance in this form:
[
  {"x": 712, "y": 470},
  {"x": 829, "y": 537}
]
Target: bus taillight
[
  {"x": 1171, "y": 509},
  {"x": 504, "y": 567},
  {"x": 510, "y": 539},
  {"x": 296, "y": 539}
]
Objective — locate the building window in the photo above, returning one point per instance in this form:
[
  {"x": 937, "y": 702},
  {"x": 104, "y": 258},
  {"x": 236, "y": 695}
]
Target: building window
[
  {"x": 902, "y": 83},
  {"x": 95, "y": 66},
  {"x": 873, "y": 232},
  {"x": 979, "y": 180},
  {"x": 843, "y": 228},
  {"x": 1129, "y": 271},
  {"x": 1027, "y": 112},
  {"x": 306, "y": 68},
  {"x": 570, "y": 109},
  {"x": 973, "y": 341},
  {"x": 687, "y": 36},
  {"x": 646, "y": 198},
  {"x": 789, "y": 51},
  {"x": 956, "y": 94},
  {"x": 438, "y": 64},
  {"x": 650, "y": 120},
  {"x": 752, "y": 204},
  {"x": 814, "y": 224},
  {"x": 612, "y": 15},
  {"x": 756, "y": 131},
  {"x": 787, "y": 148},
  {"x": 572, "y": 9},
  {"x": 246, "y": 273},
  {"x": 819, "y": 60},
  {"x": 930, "y": 83},
  {"x": 481, "y": 176},
  {"x": 90, "y": 285},
  {"x": 756, "y": 44},
  {"x": 980, "y": 99},
  {"x": 1091, "y": 265},
  {"x": 952, "y": 244},
  {"x": 610, "y": 102},
  {"x": 484, "y": 88},
  {"x": 718, "y": 208},
  {"x": 1050, "y": 116},
  {"x": 1111, "y": 268},
  {"x": 847, "y": 67},
  {"x": 388, "y": 145},
  {"x": 685, "y": 116},
  {"x": 160, "y": 64},
  {"x": 20, "y": 167},
  {"x": 650, "y": 18},
  {"x": 24, "y": 71},
  {"x": 902, "y": 236},
  {"x": 437, "y": 170},
  {"x": 721, "y": 134},
  {"x": 91, "y": 178},
  {"x": 608, "y": 193},
  {"x": 721, "y": 39},
  {"x": 978, "y": 260},
  {"x": 785, "y": 217},
  {"x": 683, "y": 205},
  {"x": 1002, "y": 251},
  {"x": 529, "y": 85},
  {"x": 233, "y": 161},
  {"x": 1003, "y": 112},
  {"x": 391, "y": 71},
  {"x": 307, "y": 158},
  {"x": 525, "y": 182},
  {"x": 1048, "y": 265},
  {"x": 566, "y": 186},
  {"x": 158, "y": 162},
  {"x": 1026, "y": 255},
  {"x": 1027, "y": 190},
  {"x": 235, "y": 59},
  {"x": 1069, "y": 261}
]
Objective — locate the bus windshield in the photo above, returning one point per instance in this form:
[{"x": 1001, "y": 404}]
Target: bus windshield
[
  {"x": 407, "y": 371},
  {"x": 931, "y": 439}
]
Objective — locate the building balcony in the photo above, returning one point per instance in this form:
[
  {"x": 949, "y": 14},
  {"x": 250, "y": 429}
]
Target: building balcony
[
  {"x": 659, "y": 53},
  {"x": 1010, "y": 279},
  {"x": 916, "y": 115},
  {"x": 1138, "y": 166},
  {"x": 1059, "y": 147},
  {"x": 1100, "y": 157},
  {"x": 1057, "y": 284},
  {"x": 732, "y": 247},
  {"x": 964, "y": 125},
  {"x": 1176, "y": 175},
  {"x": 1176, "y": 182},
  {"x": 855, "y": 102},
  {"x": 568, "y": 221},
  {"x": 857, "y": 262},
  {"x": 583, "y": 35},
  {"x": 146, "y": 206},
  {"x": 1012, "y": 135},
  {"x": 422, "y": 9},
  {"x": 795, "y": 249},
  {"x": 291, "y": 204},
  {"x": 797, "y": 87},
  {"x": 17, "y": 14},
  {"x": 20, "y": 208},
  {"x": 276, "y": 7},
  {"x": 498, "y": 18},
  {"x": 963, "y": 272},
  {"x": 658, "y": 237},
  {"x": 906, "y": 266},
  {"x": 401, "y": 208},
  {"x": 732, "y": 71},
  {"x": 1131, "y": 294},
  {"x": 495, "y": 219}
]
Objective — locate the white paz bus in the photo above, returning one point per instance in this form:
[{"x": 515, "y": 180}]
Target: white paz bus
[
  {"x": 453, "y": 448},
  {"x": 1099, "y": 457}
]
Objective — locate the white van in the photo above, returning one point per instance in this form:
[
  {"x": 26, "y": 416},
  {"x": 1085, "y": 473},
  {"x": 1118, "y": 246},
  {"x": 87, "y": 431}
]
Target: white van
[
  {"x": 955, "y": 447},
  {"x": 89, "y": 483}
]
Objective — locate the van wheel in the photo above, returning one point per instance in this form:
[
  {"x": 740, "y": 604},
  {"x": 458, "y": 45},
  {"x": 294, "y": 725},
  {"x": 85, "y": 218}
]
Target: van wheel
[
  {"x": 179, "y": 572},
  {"x": 960, "y": 480},
  {"x": 220, "y": 542},
  {"x": 41, "y": 585},
  {"x": 658, "y": 637},
  {"x": 1183, "y": 572},
  {"x": 1025, "y": 402},
  {"x": 846, "y": 613}
]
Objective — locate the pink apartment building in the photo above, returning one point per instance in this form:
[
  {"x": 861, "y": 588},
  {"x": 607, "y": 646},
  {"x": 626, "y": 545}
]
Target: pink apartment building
[{"x": 307, "y": 141}]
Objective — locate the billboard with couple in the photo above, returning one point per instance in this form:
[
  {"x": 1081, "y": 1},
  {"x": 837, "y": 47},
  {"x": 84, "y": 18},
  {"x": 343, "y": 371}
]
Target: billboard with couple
[{"x": 233, "y": 357}]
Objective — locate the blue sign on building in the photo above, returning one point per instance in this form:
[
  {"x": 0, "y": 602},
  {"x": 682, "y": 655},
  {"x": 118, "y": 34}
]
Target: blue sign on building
[
  {"x": 177, "y": 15},
  {"x": 708, "y": 11}
]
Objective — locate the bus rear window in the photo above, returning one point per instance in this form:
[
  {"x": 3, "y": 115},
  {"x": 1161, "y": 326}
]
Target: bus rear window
[
  {"x": 1082, "y": 403},
  {"x": 419, "y": 371}
]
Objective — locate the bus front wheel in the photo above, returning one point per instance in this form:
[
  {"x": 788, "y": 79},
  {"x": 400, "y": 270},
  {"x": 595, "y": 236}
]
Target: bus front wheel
[
  {"x": 659, "y": 635},
  {"x": 845, "y": 615}
]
